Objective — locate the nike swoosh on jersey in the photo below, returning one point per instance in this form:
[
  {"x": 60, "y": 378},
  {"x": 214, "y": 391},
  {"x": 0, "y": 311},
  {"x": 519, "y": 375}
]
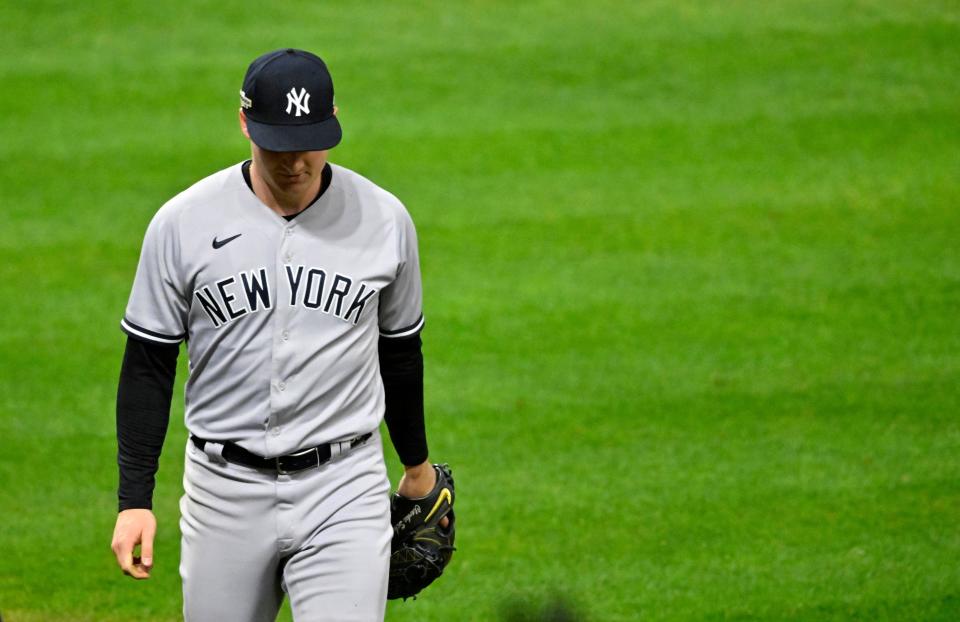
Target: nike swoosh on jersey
[{"x": 218, "y": 243}]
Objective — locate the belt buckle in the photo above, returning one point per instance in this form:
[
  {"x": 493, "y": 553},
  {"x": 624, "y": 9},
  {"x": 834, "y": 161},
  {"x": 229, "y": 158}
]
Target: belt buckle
[{"x": 283, "y": 471}]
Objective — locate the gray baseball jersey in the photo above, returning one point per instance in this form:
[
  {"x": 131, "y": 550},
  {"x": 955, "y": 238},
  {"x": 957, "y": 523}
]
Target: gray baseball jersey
[{"x": 281, "y": 318}]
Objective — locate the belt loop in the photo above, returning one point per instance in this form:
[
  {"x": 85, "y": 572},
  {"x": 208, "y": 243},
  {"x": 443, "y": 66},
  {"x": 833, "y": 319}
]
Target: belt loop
[
  {"x": 337, "y": 449},
  {"x": 342, "y": 447},
  {"x": 214, "y": 451}
]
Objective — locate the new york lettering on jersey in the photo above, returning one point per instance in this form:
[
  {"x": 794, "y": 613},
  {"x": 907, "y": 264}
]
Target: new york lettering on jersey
[{"x": 249, "y": 291}]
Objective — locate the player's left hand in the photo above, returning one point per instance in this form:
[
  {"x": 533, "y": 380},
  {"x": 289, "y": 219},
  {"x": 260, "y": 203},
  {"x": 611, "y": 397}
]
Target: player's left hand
[
  {"x": 423, "y": 531},
  {"x": 417, "y": 482}
]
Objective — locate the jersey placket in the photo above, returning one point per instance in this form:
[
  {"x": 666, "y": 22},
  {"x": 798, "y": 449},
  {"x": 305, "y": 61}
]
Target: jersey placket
[{"x": 281, "y": 393}]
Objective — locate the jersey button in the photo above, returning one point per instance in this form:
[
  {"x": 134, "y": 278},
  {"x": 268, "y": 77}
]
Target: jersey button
[
  {"x": 281, "y": 385},
  {"x": 275, "y": 431},
  {"x": 284, "y": 335}
]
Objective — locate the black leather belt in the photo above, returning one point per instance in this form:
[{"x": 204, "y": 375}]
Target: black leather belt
[{"x": 306, "y": 459}]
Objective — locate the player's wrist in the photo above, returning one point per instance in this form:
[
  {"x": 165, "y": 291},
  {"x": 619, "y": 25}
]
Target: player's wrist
[
  {"x": 417, "y": 471},
  {"x": 417, "y": 481}
]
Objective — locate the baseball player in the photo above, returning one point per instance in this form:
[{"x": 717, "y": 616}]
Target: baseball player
[{"x": 296, "y": 286}]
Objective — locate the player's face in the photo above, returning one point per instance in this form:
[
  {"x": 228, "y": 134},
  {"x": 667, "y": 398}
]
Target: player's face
[{"x": 290, "y": 172}]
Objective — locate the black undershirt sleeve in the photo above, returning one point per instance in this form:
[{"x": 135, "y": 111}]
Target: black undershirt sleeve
[
  {"x": 401, "y": 367},
  {"x": 143, "y": 411}
]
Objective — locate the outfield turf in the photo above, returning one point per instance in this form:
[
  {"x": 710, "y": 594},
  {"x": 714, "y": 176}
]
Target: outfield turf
[{"x": 692, "y": 287}]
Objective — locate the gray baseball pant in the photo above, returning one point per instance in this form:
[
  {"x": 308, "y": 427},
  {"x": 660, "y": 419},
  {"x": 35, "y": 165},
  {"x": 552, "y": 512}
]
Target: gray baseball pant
[{"x": 320, "y": 535}]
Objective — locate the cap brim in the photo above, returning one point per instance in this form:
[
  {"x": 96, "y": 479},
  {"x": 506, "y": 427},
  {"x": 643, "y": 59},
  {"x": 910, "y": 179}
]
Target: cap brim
[{"x": 310, "y": 137}]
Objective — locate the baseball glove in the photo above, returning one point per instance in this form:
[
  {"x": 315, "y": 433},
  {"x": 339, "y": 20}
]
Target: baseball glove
[{"x": 421, "y": 548}]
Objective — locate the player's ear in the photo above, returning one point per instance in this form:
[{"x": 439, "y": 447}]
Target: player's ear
[
  {"x": 334, "y": 110},
  {"x": 243, "y": 124}
]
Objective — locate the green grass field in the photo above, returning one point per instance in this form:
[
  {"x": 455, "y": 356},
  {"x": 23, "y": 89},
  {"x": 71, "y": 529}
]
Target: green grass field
[{"x": 692, "y": 281}]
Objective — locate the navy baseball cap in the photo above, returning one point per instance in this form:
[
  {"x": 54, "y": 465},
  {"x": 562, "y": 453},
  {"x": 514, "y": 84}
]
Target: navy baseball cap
[{"x": 287, "y": 97}]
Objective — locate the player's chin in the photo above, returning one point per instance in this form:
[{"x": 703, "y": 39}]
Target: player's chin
[{"x": 295, "y": 180}]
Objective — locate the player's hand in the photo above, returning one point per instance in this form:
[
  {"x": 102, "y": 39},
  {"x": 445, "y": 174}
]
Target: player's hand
[
  {"x": 137, "y": 526},
  {"x": 417, "y": 482}
]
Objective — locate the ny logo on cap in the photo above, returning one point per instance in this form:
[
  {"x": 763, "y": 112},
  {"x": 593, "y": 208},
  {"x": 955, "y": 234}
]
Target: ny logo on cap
[{"x": 301, "y": 100}]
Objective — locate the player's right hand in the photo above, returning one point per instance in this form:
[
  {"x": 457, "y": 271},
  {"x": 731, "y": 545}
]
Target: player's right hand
[{"x": 136, "y": 526}]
